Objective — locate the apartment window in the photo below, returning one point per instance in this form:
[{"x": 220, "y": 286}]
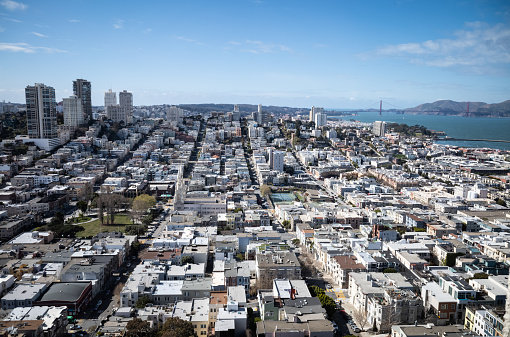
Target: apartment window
[
  {"x": 444, "y": 306},
  {"x": 202, "y": 333},
  {"x": 203, "y": 326},
  {"x": 453, "y": 306}
]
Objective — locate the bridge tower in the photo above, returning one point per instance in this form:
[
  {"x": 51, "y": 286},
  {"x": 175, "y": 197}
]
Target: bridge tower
[
  {"x": 380, "y": 108},
  {"x": 467, "y": 110}
]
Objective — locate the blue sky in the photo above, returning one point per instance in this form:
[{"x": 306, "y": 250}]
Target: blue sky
[{"x": 336, "y": 54}]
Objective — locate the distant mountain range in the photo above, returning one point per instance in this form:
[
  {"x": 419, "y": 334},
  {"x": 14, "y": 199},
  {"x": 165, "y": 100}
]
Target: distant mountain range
[
  {"x": 476, "y": 109},
  {"x": 245, "y": 109}
]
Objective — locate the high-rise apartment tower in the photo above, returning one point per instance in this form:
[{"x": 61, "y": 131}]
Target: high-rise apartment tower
[
  {"x": 41, "y": 111},
  {"x": 83, "y": 90}
]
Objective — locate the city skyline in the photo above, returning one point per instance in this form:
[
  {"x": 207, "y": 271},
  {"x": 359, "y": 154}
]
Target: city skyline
[{"x": 332, "y": 54}]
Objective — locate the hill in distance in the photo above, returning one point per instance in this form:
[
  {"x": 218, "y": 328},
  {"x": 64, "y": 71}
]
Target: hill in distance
[
  {"x": 243, "y": 108},
  {"x": 452, "y": 108}
]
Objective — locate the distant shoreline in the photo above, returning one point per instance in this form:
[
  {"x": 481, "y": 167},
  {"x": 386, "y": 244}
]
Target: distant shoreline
[{"x": 339, "y": 114}]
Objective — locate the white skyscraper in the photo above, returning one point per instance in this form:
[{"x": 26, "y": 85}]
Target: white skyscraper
[
  {"x": 110, "y": 101},
  {"x": 313, "y": 112},
  {"x": 321, "y": 119},
  {"x": 73, "y": 111},
  {"x": 379, "y": 128},
  {"x": 260, "y": 116},
  {"x": 236, "y": 115},
  {"x": 42, "y": 116},
  {"x": 110, "y": 98},
  {"x": 174, "y": 114}
]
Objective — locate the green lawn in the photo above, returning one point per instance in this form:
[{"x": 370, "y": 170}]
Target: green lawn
[
  {"x": 94, "y": 227},
  {"x": 80, "y": 220}
]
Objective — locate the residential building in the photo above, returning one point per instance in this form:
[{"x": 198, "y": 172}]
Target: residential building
[
  {"x": 24, "y": 295},
  {"x": 73, "y": 111},
  {"x": 42, "y": 116},
  {"x": 126, "y": 104},
  {"x": 276, "y": 265},
  {"x": 83, "y": 90},
  {"x": 379, "y": 128},
  {"x": 174, "y": 114},
  {"x": 110, "y": 99},
  {"x": 321, "y": 119}
]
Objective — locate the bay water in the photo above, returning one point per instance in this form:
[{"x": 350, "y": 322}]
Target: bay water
[{"x": 453, "y": 126}]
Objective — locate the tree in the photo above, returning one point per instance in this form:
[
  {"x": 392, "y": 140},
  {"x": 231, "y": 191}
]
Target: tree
[
  {"x": 187, "y": 259},
  {"x": 501, "y": 202},
  {"x": 240, "y": 256},
  {"x": 390, "y": 318},
  {"x": 140, "y": 206},
  {"x": 286, "y": 224},
  {"x": 100, "y": 211},
  {"x": 138, "y": 328},
  {"x": 82, "y": 205},
  {"x": 450, "y": 259},
  {"x": 478, "y": 276},
  {"x": 143, "y": 301},
  {"x": 389, "y": 271},
  {"x": 265, "y": 190},
  {"x": 176, "y": 327},
  {"x": 296, "y": 242},
  {"x": 361, "y": 317},
  {"x": 112, "y": 203}
]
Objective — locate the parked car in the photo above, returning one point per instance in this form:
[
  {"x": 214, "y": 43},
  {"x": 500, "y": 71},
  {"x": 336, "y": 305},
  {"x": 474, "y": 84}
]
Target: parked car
[{"x": 356, "y": 329}]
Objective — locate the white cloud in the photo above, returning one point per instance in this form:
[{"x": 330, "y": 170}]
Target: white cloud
[
  {"x": 13, "y": 5},
  {"x": 119, "y": 24},
  {"x": 39, "y": 34},
  {"x": 74, "y": 20},
  {"x": 147, "y": 31},
  {"x": 13, "y": 20},
  {"x": 2, "y": 29},
  {"x": 183, "y": 38},
  {"x": 259, "y": 47},
  {"x": 478, "y": 48},
  {"x": 26, "y": 48}
]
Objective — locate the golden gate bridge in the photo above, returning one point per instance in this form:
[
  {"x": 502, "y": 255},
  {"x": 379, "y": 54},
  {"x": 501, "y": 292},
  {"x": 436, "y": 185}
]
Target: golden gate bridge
[{"x": 396, "y": 109}]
